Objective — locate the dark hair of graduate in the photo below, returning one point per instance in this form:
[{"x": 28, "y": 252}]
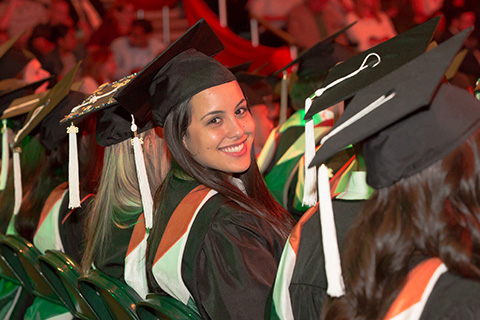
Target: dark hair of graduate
[
  {"x": 434, "y": 213},
  {"x": 33, "y": 158},
  {"x": 48, "y": 176},
  {"x": 54, "y": 171},
  {"x": 258, "y": 200}
]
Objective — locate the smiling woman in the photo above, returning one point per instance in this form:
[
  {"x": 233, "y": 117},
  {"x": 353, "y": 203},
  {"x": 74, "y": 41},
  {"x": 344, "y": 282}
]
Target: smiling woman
[
  {"x": 217, "y": 233},
  {"x": 220, "y": 135}
]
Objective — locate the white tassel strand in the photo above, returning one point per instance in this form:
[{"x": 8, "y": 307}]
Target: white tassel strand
[
  {"x": 73, "y": 174},
  {"x": 5, "y": 155},
  {"x": 143, "y": 183},
  {"x": 309, "y": 190},
  {"x": 333, "y": 266},
  {"x": 17, "y": 180}
]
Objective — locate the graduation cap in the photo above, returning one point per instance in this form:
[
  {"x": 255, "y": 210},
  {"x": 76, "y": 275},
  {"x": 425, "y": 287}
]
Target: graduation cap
[
  {"x": 401, "y": 134},
  {"x": 7, "y": 45},
  {"x": 255, "y": 87},
  {"x": 348, "y": 77},
  {"x": 50, "y": 101},
  {"x": 23, "y": 105},
  {"x": 318, "y": 59},
  {"x": 52, "y": 133},
  {"x": 388, "y": 101},
  {"x": 158, "y": 83},
  {"x": 17, "y": 89}
]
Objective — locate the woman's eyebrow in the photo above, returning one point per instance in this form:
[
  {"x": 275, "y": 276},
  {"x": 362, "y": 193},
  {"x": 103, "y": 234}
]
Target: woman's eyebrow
[
  {"x": 212, "y": 113},
  {"x": 220, "y": 111}
]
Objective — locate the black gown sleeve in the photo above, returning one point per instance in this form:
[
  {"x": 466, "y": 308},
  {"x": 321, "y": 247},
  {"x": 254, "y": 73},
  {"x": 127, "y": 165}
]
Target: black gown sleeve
[
  {"x": 71, "y": 226},
  {"x": 235, "y": 267},
  {"x": 453, "y": 298}
]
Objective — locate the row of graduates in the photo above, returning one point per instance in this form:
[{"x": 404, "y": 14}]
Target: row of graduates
[{"x": 217, "y": 235}]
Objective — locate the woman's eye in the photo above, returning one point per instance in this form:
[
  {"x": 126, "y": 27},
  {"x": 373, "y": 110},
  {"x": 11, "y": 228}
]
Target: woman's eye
[
  {"x": 214, "y": 120},
  {"x": 240, "y": 111}
]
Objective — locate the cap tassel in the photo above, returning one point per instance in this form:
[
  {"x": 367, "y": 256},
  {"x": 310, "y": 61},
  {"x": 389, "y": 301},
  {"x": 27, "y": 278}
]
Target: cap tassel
[
  {"x": 333, "y": 266},
  {"x": 143, "y": 183},
  {"x": 309, "y": 190},
  {"x": 139, "y": 282},
  {"x": 73, "y": 175},
  {"x": 17, "y": 180},
  {"x": 5, "y": 156},
  {"x": 283, "y": 99}
]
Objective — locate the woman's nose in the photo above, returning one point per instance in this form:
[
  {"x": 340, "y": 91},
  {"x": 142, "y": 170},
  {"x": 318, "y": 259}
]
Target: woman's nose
[{"x": 236, "y": 129}]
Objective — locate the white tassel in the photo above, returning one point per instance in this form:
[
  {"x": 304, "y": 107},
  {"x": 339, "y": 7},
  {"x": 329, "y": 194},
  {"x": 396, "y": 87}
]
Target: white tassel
[
  {"x": 333, "y": 266},
  {"x": 73, "y": 175},
  {"x": 17, "y": 180},
  {"x": 283, "y": 99},
  {"x": 143, "y": 183},
  {"x": 309, "y": 190},
  {"x": 5, "y": 156}
]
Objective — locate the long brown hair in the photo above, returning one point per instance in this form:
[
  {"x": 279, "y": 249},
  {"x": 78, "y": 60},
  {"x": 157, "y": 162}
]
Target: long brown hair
[
  {"x": 118, "y": 201},
  {"x": 258, "y": 200},
  {"x": 434, "y": 213}
]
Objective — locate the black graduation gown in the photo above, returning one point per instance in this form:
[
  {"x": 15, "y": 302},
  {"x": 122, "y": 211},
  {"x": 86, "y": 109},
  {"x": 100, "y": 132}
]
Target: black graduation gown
[
  {"x": 308, "y": 286},
  {"x": 71, "y": 225},
  {"x": 112, "y": 262},
  {"x": 230, "y": 258},
  {"x": 453, "y": 297}
]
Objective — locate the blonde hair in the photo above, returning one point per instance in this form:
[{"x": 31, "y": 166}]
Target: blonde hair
[{"x": 118, "y": 199}]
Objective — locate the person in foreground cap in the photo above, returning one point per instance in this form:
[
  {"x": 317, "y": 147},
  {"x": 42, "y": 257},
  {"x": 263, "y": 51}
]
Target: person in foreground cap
[
  {"x": 232, "y": 231},
  {"x": 413, "y": 251},
  {"x": 118, "y": 207}
]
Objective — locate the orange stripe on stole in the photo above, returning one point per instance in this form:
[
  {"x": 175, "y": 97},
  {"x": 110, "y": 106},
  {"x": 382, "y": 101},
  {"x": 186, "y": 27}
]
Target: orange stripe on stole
[
  {"x": 138, "y": 234},
  {"x": 416, "y": 282},
  {"x": 335, "y": 180},
  {"x": 179, "y": 221},
  {"x": 296, "y": 233},
  {"x": 54, "y": 196}
]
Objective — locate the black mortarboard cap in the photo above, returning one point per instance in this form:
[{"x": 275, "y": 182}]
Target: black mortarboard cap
[
  {"x": 50, "y": 101},
  {"x": 135, "y": 96},
  {"x": 409, "y": 132},
  {"x": 7, "y": 45},
  {"x": 243, "y": 67},
  {"x": 19, "y": 90},
  {"x": 23, "y": 105},
  {"x": 255, "y": 87},
  {"x": 185, "y": 75},
  {"x": 114, "y": 126},
  {"x": 52, "y": 133},
  {"x": 318, "y": 59},
  {"x": 393, "y": 53},
  {"x": 113, "y": 121}
]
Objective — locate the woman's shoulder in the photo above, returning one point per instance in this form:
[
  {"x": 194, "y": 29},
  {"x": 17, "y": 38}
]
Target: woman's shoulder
[
  {"x": 232, "y": 221},
  {"x": 453, "y": 297}
]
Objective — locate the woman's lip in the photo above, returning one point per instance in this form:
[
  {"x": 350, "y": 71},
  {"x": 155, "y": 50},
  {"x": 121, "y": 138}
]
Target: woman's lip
[{"x": 237, "y": 149}]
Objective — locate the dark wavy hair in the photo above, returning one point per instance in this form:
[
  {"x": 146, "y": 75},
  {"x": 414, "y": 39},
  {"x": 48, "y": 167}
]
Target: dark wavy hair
[
  {"x": 48, "y": 176},
  {"x": 33, "y": 156},
  {"x": 434, "y": 213},
  {"x": 258, "y": 200},
  {"x": 54, "y": 171}
]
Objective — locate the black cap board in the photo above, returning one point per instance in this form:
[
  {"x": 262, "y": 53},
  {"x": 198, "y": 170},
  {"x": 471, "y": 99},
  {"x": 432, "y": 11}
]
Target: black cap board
[
  {"x": 47, "y": 104},
  {"x": 393, "y": 53},
  {"x": 406, "y": 132},
  {"x": 52, "y": 133},
  {"x": 135, "y": 95},
  {"x": 321, "y": 57}
]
